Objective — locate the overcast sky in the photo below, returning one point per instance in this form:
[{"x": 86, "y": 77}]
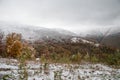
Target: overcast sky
[{"x": 74, "y": 15}]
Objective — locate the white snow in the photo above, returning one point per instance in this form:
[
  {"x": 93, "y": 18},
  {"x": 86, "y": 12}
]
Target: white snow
[
  {"x": 75, "y": 40},
  {"x": 37, "y": 71}
]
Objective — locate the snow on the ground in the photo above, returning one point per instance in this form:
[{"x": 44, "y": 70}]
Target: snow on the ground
[{"x": 38, "y": 71}]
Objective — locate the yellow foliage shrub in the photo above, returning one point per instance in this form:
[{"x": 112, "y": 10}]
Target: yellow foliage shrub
[{"x": 13, "y": 45}]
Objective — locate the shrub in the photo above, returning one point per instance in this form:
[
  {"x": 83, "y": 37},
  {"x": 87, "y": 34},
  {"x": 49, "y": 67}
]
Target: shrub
[
  {"x": 87, "y": 57},
  {"x": 113, "y": 59},
  {"x": 2, "y": 45},
  {"x": 28, "y": 51},
  {"x": 13, "y": 45},
  {"x": 76, "y": 58},
  {"x": 94, "y": 59}
]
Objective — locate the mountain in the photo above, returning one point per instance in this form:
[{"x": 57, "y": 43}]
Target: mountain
[
  {"x": 111, "y": 37},
  {"x": 112, "y": 40},
  {"x": 35, "y": 32}
]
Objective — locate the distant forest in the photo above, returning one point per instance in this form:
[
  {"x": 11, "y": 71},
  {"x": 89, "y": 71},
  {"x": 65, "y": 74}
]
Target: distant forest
[{"x": 64, "y": 51}]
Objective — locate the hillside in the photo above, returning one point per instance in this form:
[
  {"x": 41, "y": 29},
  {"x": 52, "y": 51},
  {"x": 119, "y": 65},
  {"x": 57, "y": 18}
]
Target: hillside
[
  {"x": 112, "y": 40},
  {"x": 34, "y": 32},
  {"x": 111, "y": 37}
]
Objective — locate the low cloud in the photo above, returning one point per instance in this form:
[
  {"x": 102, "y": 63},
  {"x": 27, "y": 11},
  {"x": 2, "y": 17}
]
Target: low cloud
[{"x": 74, "y": 15}]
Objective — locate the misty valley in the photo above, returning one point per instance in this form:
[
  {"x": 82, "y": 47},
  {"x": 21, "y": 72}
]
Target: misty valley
[{"x": 56, "y": 54}]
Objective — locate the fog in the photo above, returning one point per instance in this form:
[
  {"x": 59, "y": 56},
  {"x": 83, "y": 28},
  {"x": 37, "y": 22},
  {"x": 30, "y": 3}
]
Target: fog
[{"x": 74, "y": 15}]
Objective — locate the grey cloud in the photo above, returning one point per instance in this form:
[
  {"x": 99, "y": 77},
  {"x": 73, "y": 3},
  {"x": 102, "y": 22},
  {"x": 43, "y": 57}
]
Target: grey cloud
[{"x": 67, "y": 14}]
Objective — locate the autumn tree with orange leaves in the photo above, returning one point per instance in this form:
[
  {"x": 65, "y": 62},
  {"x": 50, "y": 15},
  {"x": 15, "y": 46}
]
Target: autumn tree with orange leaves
[{"x": 13, "y": 45}]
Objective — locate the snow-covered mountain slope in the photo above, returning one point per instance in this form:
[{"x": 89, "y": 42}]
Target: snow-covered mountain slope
[
  {"x": 34, "y": 32},
  {"x": 111, "y": 37},
  {"x": 78, "y": 39}
]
